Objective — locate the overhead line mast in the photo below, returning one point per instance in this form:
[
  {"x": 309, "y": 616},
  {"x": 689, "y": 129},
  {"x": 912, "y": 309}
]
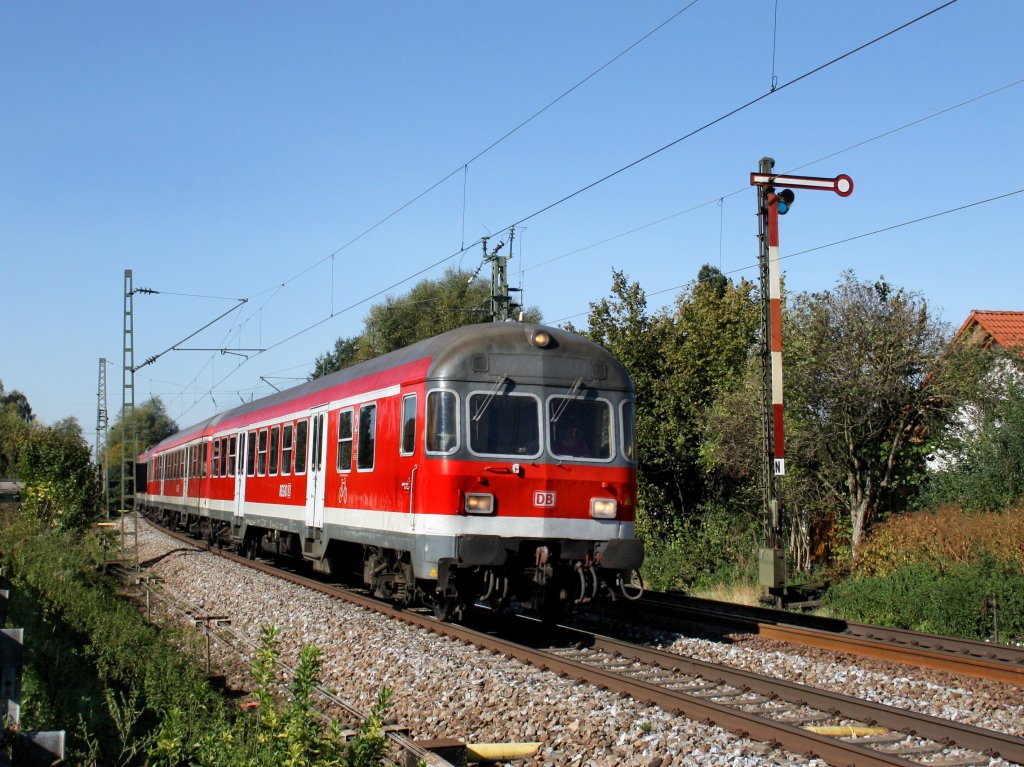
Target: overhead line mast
[{"x": 102, "y": 422}]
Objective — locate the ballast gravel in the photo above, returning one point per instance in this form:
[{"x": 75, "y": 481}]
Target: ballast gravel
[{"x": 445, "y": 689}]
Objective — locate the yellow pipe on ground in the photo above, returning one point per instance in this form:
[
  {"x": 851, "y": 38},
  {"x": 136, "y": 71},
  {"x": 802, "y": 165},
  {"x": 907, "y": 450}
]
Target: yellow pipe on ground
[
  {"x": 849, "y": 731},
  {"x": 499, "y": 752}
]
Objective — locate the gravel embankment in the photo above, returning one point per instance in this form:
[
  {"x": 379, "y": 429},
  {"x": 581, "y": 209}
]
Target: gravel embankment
[{"x": 446, "y": 689}]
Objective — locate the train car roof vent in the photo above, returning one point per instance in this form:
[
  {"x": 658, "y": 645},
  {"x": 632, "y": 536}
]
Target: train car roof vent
[{"x": 480, "y": 363}]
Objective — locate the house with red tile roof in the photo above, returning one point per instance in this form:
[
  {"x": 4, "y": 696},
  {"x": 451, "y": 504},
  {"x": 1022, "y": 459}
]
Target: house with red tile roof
[{"x": 1005, "y": 329}]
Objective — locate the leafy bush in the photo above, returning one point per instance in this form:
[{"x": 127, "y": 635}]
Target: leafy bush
[
  {"x": 61, "y": 488},
  {"x": 156, "y": 700},
  {"x": 924, "y": 596},
  {"x": 270, "y": 732},
  {"x": 717, "y": 546}
]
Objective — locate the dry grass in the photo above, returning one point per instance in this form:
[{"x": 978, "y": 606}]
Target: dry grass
[
  {"x": 947, "y": 535},
  {"x": 736, "y": 593}
]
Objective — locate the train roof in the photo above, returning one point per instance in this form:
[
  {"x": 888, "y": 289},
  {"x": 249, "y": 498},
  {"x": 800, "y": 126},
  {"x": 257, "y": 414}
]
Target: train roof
[{"x": 472, "y": 352}]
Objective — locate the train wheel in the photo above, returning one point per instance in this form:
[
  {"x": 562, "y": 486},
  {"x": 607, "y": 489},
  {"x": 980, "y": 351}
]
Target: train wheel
[
  {"x": 448, "y": 604},
  {"x": 446, "y": 608}
]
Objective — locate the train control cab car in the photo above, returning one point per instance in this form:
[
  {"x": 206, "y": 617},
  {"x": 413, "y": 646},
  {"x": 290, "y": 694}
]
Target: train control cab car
[{"x": 493, "y": 463}]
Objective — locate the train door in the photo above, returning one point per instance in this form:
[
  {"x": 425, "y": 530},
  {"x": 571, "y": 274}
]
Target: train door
[
  {"x": 236, "y": 464},
  {"x": 407, "y": 456},
  {"x": 186, "y": 474},
  {"x": 316, "y": 476}
]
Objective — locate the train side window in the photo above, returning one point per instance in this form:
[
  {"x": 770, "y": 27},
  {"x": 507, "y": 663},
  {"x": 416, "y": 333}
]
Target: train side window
[
  {"x": 301, "y": 430},
  {"x": 442, "y": 422},
  {"x": 215, "y": 470},
  {"x": 345, "y": 440},
  {"x": 408, "y": 425},
  {"x": 275, "y": 436},
  {"x": 261, "y": 469},
  {"x": 628, "y": 412},
  {"x": 250, "y": 455},
  {"x": 367, "y": 437},
  {"x": 232, "y": 452},
  {"x": 203, "y": 455},
  {"x": 223, "y": 456},
  {"x": 286, "y": 449}
]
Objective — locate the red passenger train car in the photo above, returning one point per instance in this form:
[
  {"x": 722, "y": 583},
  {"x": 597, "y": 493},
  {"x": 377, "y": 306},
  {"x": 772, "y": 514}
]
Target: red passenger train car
[{"x": 495, "y": 462}]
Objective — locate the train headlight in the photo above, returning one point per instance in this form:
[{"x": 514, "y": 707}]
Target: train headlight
[
  {"x": 479, "y": 503},
  {"x": 603, "y": 508},
  {"x": 541, "y": 339}
]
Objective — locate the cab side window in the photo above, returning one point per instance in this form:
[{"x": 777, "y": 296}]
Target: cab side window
[{"x": 442, "y": 422}]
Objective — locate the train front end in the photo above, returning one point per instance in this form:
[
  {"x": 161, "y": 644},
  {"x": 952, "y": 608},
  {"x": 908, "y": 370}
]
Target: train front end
[{"x": 529, "y": 492}]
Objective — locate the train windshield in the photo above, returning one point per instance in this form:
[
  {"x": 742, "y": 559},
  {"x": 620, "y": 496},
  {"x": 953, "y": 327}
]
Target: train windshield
[
  {"x": 504, "y": 424},
  {"x": 579, "y": 428}
]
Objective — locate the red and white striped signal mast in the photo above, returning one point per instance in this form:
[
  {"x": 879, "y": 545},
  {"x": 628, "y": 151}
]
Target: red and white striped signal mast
[{"x": 770, "y": 205}]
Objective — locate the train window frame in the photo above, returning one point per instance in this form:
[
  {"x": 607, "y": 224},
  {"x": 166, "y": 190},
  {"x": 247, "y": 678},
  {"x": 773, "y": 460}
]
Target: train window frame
[
  {"x": 215, "y": 459},
  {"x": 627, "y": 430},
  {"x": 362, "y": 440},
  {"x": 430, "y": 428},
  {"x": 345, "y": 443},
  {"x": 203, "y": 455},
  {"x": 287, "y": 448},
  {"x": 274, "y": 454},
  {"x": 301, "y": 445},
  {"x": 510, "y": 456},
  {"x": 261, "y": 452},
  {"x": 232, "y": 454},
  {"x": 250, "y": 453},
  {"x": 407, "y": 436},
  {"x": 612, "y": 435}
]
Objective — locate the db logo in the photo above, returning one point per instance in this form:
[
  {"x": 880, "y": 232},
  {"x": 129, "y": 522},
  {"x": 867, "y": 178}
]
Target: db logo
[{"x": 544, "y": 499}]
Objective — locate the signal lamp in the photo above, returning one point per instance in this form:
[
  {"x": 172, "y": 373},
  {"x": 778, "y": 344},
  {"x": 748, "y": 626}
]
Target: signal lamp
[{"x": 785, "y": 201}]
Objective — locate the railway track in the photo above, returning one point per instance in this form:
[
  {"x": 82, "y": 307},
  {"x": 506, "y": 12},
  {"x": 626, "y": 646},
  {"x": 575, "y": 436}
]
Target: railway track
[
  {"x": 796, "y": 717},
  {"x": 983, "y": 660}
]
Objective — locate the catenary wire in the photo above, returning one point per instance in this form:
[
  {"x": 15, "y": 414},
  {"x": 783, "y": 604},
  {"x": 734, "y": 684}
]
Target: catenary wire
[
  {"x": 808, "y": 164},
  {"x": 579, "y": 191},
  {"x": 861, "y": 236}
]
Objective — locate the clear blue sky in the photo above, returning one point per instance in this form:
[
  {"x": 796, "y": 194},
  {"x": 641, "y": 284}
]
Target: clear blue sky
[{"x": 222, "y": 148}]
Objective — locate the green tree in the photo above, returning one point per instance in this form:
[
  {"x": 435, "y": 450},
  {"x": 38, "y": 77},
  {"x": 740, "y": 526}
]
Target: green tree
[
  {"x": 148, "y": 424},
  {"x": 60, "y": 486},
  {"x": 980, "y": 454},
  {"x": 868, "y": 378},
  {"x": 682, "y": 360},
  {"x": 431, "y": 307},
  {"x": 17, "y": 403}
]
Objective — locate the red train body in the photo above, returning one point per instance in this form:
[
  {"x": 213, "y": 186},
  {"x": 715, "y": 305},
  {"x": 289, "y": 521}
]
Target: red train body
[{"x": 492, "y": 462}]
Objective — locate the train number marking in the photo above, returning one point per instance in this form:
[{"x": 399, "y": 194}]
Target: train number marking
[{"x": 544, "y": 499}]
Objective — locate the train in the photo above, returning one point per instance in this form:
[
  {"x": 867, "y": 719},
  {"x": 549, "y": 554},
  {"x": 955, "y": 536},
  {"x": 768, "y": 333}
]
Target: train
[{"x": 492, "y": 464}]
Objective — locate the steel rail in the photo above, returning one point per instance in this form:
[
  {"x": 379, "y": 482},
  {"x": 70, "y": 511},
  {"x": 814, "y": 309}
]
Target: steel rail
[
  {"x": 934, "y": 728},
  {"x": 983, "y": 660},
  {"x": 746, "y": 724}
]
